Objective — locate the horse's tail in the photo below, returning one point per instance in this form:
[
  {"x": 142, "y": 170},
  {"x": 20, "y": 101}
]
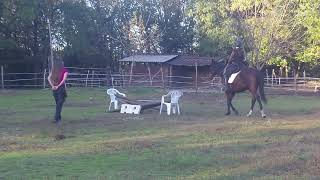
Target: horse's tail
[{"x": 261, "y": 87}]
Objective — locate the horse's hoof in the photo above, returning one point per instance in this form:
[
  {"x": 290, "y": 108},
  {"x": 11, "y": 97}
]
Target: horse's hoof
[
  {"x": 263, "y": 115},
  {"x": 249, "y": 113},
  {"x": 227, "y": 114}
]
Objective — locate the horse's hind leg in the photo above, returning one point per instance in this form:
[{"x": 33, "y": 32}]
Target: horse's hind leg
[
  {"x": 261, "y": 107},
  {"x": 253, "y": 102}
]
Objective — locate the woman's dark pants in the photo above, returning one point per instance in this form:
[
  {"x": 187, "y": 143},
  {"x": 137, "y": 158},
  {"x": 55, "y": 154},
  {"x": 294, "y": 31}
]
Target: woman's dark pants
[{"x": 59, "y": 96}]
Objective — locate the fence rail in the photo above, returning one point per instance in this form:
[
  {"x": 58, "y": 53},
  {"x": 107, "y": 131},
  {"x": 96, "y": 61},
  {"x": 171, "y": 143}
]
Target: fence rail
[{"x": 81, "y": 77}]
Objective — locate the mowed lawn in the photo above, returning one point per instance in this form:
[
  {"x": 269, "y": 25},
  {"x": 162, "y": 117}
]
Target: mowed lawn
[{"x": 202, "y": 143}]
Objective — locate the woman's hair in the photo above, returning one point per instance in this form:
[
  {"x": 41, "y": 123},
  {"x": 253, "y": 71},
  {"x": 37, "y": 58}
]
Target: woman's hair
[{"x": 57, "y": 66}]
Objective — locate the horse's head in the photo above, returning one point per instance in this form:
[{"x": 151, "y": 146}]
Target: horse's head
[
  {"x": 239, "y": 42},
  {"x": 217, "y": 67}
]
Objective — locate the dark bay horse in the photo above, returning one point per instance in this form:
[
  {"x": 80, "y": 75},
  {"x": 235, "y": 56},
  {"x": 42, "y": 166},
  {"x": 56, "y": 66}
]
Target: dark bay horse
[{"x": 248, "y": 79}]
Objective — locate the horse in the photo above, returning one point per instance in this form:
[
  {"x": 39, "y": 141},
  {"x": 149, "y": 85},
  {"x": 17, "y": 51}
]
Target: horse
[{"x": 248, "y": 79}]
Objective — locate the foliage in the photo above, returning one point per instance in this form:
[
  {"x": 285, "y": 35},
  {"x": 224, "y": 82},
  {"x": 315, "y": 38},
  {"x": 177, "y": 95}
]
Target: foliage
[
  {"x": 280, "y": 62},
  {"x": 99, "y": 32},
  {"x": 309, "y": 18},
  {"x": 175, "y": 26},
  {"x": 214, "y": 28}
]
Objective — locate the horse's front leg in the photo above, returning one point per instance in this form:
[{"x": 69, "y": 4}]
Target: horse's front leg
[
  {"x": 231, "y": 105},
  {"x": 228, "y": 104}
]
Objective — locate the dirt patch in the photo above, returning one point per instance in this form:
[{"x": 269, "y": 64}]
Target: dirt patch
[
  {"x": 310, "y": 140},
  {"x": 8, "y": 92},
  {"x": 291, "y": 92},
  {"x": 7, "y": 113},
  {"x": 83, "y": 104},
  {"x": 204, "y": 97},
  {"x": 144, "y": 144},
  {"x": 12, "y": 145},
  {"x": 296, "y": 167},
  {"x": 59, "y": 137},
  {"x": 313, "y": 165}
]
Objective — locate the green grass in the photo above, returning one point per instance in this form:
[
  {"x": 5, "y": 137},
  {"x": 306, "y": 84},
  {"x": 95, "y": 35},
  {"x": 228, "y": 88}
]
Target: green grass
[{"x": 200, "y": 144}]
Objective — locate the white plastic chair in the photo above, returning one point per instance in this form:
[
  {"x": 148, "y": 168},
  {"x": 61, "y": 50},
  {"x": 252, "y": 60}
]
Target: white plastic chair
[
  {"x": 174, "y": 101},
  {"x": 113, "y": 98}
]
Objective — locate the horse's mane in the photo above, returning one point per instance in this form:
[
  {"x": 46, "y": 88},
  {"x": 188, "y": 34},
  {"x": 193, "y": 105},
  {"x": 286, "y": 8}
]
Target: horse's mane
[{"x": 218, "y": 66}]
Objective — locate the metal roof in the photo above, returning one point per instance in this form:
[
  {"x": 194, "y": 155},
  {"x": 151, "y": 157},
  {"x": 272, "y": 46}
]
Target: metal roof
[
  {"x": 148, "y": 58},
  {"x": 185, "y": 60}
]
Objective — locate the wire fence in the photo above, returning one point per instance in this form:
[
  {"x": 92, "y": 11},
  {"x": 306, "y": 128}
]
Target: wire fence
[{"x": 99, "y": 77}]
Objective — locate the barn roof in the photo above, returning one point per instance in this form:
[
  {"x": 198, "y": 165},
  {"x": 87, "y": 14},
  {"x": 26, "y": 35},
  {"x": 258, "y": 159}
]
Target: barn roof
[
  {"x": 22, "y": 60},
  {"x": 148, "y": 58},
  {"x": 185, "y": 60}
]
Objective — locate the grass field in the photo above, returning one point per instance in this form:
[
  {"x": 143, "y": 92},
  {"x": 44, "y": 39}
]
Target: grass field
[{"x": 200, "y": 144}]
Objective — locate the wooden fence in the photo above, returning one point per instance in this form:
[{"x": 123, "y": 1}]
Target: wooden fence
[{"x": 98, "y": 77}]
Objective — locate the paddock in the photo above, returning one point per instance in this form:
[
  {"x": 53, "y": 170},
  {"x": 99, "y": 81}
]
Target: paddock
[{"x": 200, "y": 143}]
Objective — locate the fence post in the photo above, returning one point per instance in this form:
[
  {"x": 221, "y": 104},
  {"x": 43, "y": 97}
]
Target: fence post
[
  {"x": 162, "y": 78},
  {"x": 44, "y": 78},
  {"x": 108, "y": 77},
  {"x": 196, "y": 76},
  {"x": 87, "y": 78},
  {"x": 267, "y": 76},
  {"x": 279, "y": 79},
  {"x": 316, "y": 85},
  {"x": 170, "y": 76},
  {"x": 92, "y": 78},
  {"x": 272, "y": 76},
  {"x": 149, "y": 72},
  {"x": 2, "y": 77},
  {"x": 304, "y": 78},
  {"x": 123, "y": 79},
  {"x": 287, "y": 73},
  {"x": 295, "y": 80},
  {"x": 99, "y": 80},
  {"x": 131, "y": 71}
]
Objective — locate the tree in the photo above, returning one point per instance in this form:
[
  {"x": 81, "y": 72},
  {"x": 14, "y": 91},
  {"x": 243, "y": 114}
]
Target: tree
[
  {"x": 175, "y": 28},
  {"x": 99, "y": 32},
  {"x": 308, "y": 17},
  {"x": 269, "y": 28},
  {"x": 215, "y": 34},
  {"x": 24, "y": 24}
]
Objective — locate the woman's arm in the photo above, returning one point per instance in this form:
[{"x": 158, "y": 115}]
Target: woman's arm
[
  {"x": 49, "y": 79},
  {"x": 65, "y": 75},
  {"x": 53, "y": 87}
]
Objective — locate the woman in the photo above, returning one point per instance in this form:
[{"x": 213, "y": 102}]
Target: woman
[
  {"x": 235, "y": 62},
  {"x": 57, "y": 78}
]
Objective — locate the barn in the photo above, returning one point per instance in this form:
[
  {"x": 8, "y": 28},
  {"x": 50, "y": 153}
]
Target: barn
[{"x": 173, "y": 71}]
